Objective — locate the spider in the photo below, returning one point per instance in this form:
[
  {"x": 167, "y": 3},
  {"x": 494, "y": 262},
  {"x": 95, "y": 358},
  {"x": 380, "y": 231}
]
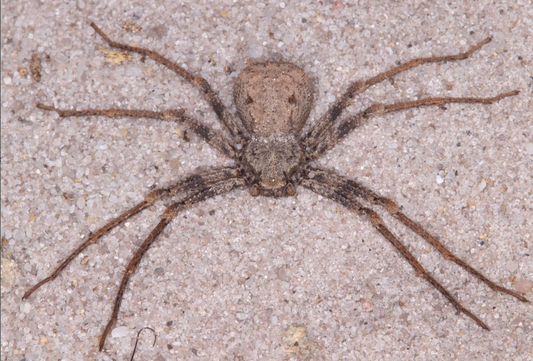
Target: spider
[{"x": 274, "y": 154}]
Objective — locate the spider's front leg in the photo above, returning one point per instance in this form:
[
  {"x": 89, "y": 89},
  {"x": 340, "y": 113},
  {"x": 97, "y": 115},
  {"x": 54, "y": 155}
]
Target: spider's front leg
[
  {"x": 319, "y": 128},
  {"x": 345, "y": 126},
  {"x": 212, "y": 137}
]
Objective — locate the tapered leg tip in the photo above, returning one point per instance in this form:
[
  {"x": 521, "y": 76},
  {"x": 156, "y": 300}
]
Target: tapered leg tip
[
  {"x": 96, "y": 28},
  {"x": 27, "y": 294},
  {"x": 481, "y": 43}
]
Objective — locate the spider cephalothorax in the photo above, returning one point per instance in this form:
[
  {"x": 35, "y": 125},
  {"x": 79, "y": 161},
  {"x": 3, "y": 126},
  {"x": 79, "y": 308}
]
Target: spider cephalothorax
[
  {"x": 273, "y": 100},
  {"x": 274, "y": 165},
  {"x": 272, "y": 155}
]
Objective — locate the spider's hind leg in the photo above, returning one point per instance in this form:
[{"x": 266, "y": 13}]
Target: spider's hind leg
[
  {"x": 93, "y": 238},
  {"x": 342, "y": 196},
  {"x": 192, "y": 182},
  {"x": 224, "y": 186},
  {"x": 360, "y": 191},
  {"x": 229, "y": 122}
]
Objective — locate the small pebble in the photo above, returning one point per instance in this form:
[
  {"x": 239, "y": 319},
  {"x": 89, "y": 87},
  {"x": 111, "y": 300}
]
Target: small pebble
[
  {"x": 19, "y": 235},
  {"x": 80, "y": 203},
  {"x": 254, "y": 49},
  {"x": 119, "y": 331},
  {"x": 26, "y": 307},
  {"x": 511, "y": 266},
  {"x": 241, "y": 316},
  {"x": 482, "y": 185}
]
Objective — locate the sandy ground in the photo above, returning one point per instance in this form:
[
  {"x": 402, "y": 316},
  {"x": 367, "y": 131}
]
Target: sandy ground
[{"x": 242, "y": 278}]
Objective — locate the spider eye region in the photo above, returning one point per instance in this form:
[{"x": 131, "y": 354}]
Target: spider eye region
[
  {"x": 273, "y": 98},
  {"x": 273, "y": 164}
]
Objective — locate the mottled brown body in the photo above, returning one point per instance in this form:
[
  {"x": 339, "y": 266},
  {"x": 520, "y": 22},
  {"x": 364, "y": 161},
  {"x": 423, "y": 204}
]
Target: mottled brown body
[
  {"x": 275, "y": 164},
  {"x": 272, "y": 155},
  {"x": 273, "y": 101}
]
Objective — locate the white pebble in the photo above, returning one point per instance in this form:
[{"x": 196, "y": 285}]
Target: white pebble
[
  {"x": 482, "y": 185},
  {"x": 119, "y": 331},
  {"x": 511, "y": 266},
  {"x": 288, "y": 39},
  {"x": 26, "y": 307},
  {"x": 19, "y": 235},
  {"x": 241, "y": 316},
  {"x": 254, "y": 49},
  {"x": 440, "y": 180},
  {"x": 80, "y": 203},
  {"x": 7, "y": 233},
  {"x": 134, "y": 71},
  {"x": 7, "y": 80},
  {"x": 529, "y": 148},
  {"x": 270, "y": 11}
]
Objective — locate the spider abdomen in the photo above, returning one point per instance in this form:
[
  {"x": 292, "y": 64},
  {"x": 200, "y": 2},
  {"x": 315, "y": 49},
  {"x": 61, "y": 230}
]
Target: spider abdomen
[{"x": 273, "y": 98}]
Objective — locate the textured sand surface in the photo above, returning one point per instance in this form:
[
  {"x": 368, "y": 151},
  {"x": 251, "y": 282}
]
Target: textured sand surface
[{"x": 233, "y": 277}]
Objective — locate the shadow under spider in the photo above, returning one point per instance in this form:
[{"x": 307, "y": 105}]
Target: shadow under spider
[{"x": 273, "y": 155}]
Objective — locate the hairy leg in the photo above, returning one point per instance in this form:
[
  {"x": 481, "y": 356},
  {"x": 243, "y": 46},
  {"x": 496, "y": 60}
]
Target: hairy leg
[
  {"x": 234, "y": 128},
  {"x": 346, "y": 199},
  {"x": 333, "y": 135},
  {"x": 212, "y": 137},
  {"x": 191, "y": 183},
  {"x": 169, "y": 214},
  {"x": 316, "y": 131},
  {"x": 356, "y": 189}
]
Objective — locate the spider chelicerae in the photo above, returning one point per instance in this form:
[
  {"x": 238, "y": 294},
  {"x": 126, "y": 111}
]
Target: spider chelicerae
[{"x": 273, "y": 155}]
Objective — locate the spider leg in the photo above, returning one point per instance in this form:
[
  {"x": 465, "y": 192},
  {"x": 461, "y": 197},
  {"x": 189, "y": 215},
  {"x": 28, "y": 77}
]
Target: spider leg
[
  {"x": 234, "y": 128},
  {"x": 316, "y": 131},
  {"x": 212, "y": 137},
  {"x": 170, "y": 213},
  {"x": 193, "y": 182},
  {"x": 360, "y": 191},
  {"x": 333, "y": 135},
  {"x": 343, "y": 197}
]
